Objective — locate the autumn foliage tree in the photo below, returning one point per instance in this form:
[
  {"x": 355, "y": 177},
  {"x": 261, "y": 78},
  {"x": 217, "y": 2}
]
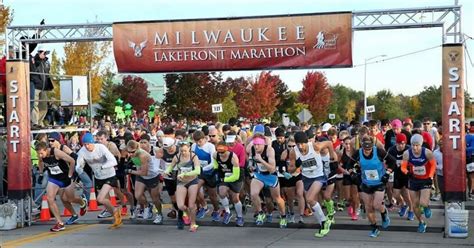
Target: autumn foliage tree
[
  {"x": 316, "y": 93},
  {"x": 134, "y": 90},
  {"x": 262, "y": 100}
]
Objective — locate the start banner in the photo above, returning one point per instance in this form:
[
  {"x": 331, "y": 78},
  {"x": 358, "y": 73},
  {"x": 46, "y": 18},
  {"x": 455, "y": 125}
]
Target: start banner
[{"x": 321, "y": 40}]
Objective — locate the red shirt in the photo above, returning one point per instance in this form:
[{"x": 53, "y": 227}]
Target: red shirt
[
  {"x": 239, "y": 150},
  {"x": 336, "y": 144}
]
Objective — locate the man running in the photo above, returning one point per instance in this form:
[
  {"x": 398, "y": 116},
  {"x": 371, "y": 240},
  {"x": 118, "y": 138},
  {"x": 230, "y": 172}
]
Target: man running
[
  {"x": 374, "y": 177},
  {"x": 60, "y": 168},
  {"x": 102, "y": 163},
  {"x": 420, "y": 166}
]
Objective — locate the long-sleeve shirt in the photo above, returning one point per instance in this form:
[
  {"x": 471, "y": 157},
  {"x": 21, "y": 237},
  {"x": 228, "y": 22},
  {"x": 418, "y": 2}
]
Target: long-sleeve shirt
[
  {"x": 469, "y": 144},
  {"x": 100, "y": 160}
]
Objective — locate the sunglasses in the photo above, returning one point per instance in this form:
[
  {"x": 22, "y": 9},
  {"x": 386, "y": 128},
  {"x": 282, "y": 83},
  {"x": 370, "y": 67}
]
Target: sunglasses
[
  {"x": 291, "y": 146},
  {"x": 426, "y": 123},
  {"x": 132, "y": 152},
  {"x": 212, "y": 136},
  {"x": 51, "y": 140}
]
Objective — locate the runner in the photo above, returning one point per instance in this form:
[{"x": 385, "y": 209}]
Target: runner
[
  {"x": 400, "y": 183},
  {"x": 60, "y": 167},
  {"x": 169, "y": 152},
  {"x": 147, "y": 177},
  {"x": 102, "y": 162},
  {"x": 230, "y": 181},
  {"x": 470, "y": 159},
  {"x": 307, "y": 156},
  {"x": 420, "y": 166},
  {"x": 188, "y": 168},
  {"x": 374, "y": 178},
  {"x": 350, "y": 179},
  {"x": 263, "y": 160}
]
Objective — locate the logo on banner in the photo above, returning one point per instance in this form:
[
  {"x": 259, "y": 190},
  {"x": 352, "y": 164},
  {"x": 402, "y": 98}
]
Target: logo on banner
[
  {"x": 137, "y": 49},
  {"x": 453, "y": 55},
  {"x": 325, "y": 40}
]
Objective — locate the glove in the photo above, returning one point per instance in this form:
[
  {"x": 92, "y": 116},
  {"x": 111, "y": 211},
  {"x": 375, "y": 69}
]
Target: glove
[
  {"x": 287, "y": 175},
  {"x": 40, "y": 178},
  {"x": 355, "y": 178},
  {"x": 385, "y": 178}
]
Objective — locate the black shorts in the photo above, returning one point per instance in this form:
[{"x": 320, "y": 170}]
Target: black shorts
[
  {"x": 287, "y": 183},
  {"x": 266, "y": 192},
  {"x": 210, "y": 180},
  {"x": 62, "y": 183},
  {"x": 347, "y": 180},
  {"x": 195, "y": 181},
  {"x": 149, "y": 183},
  {"x": 236, "y": 186},
  {"x": 170, "y": 186},
  {"x": 372, "y": 189},
  {"x": 400, "y": 180},
  {"x": 328, "y": 183},
  {"x": 112, "y": 181},
  {"x": 419, "y": 184}
]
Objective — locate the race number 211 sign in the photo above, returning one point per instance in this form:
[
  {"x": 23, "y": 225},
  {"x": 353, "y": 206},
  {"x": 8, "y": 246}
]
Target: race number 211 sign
[{"x": 320, "y": 40}]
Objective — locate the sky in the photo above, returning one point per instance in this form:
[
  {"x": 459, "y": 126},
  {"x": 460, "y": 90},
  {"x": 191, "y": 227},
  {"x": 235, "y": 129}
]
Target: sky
[{"x": 405, "y": 75}]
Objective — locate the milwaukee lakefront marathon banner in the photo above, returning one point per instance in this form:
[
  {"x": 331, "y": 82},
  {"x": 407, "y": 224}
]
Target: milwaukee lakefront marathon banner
[{"x": 322, "y": 40}]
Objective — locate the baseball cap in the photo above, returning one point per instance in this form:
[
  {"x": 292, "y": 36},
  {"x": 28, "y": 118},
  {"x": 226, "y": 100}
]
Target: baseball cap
[
  {"x": 367, "y": 142},
  {"x": 42, "y": 48},
  {"x": 401, "y": 138},
  {"x": 259, "y": 129},
  {"x": 55, "y": 136},
  {"x": 168, "y": 142},
  {"x": 88, "y": 138},
  {"x": 230, "y": 138},
  {"x": 326, "y": 127},
  {"x": 396, "y": 123},
  {"x": 408, "y": 120}
]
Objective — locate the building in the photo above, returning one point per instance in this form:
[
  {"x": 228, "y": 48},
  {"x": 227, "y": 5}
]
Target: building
[{"x": 156, "y": 84}]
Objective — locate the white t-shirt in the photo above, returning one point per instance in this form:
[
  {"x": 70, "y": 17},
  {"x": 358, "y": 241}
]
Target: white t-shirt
[
  {"x": 439, "y": 162},
  {"x": 101, "y": 161},
  {"x": 311, "y": 163}
]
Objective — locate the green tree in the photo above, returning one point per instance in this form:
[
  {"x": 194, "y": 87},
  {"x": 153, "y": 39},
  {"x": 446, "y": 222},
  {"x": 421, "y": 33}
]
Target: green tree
[
  {"x": 343, "y": 102},
  {"x": 387, "y": 106},
  {"x": 229, "y": 108},
  {"x": 430, "y": 102},
  {"x": 108, "y": 96}
]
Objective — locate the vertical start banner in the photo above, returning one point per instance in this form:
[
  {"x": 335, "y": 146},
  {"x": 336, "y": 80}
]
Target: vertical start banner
[
  {"x": 322, "y": 40},
  {"x": 454, "y": 142}
]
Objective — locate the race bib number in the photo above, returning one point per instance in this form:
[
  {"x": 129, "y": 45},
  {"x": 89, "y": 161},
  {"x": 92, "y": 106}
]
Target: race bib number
[
  {"x": 55, "y": 170},
  {"x": 372, "y": 175},
  {"x": 391, "y": 177},
  {"x": 470, "y": 167},
  {"x": 309, "y": 169},
  {"x": 419, "y": 170},
  {"x": 227, "y": 174},
  {"x": 262, "y": 167},
  {"x": 186, "y": 169}
]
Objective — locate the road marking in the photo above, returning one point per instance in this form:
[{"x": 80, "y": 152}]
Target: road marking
[{"x": 45, "y": 235}]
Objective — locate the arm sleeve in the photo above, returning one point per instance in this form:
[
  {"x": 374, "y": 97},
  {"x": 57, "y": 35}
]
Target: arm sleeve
[
  {"x": 80, "y": 162},
  {"x": 197, "y": 169},
  {"x": 235, "y": 175},
  {"x": 111, "y": 161},
  {"x": 404, "y": 167},
  {"x": 432, "y": 167}
]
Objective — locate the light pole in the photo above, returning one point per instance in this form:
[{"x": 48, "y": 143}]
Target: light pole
[{"x": 365, "y": 83}]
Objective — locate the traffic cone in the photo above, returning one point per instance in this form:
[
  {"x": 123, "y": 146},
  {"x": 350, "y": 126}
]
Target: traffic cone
[
  {"x": 66, "y": 213},
  {"x": 93, "y": 206},
  {"x": 45, "y": 215},
  {"x": 113, "y": 199}
]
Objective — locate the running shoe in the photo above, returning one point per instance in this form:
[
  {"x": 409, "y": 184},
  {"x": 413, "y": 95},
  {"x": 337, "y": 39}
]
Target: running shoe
[
  {"x": 58, "y": 227},
  {"x": 410, "y": 215},
  {"x": 186, "y": 219},
  {"x": 427, "y": 212},
  {"x": 83, "y": 210},
  {"x": 283, "y": 223},
  {"x": 269, "y": 218},
  {"x": 422, "y": 227},
  {"x": 403, "y": 211},
  {"x": 374, "y": 233},
  {"x": 172, "y": 214},
  {"x": 180, "y": 224},
  {"x": 124, "y": 210},
  {"x": 104, "y": 214},
  {"x": 354, "y": 216},
  {"x": 193, "y": 228},
  {"x": 117, "y": 219},
  {"x": 158, "y": 219},
  {"x": 73, "y": 219},
  {"x": 340, "y": 206},
  {"x": 226, "y": 218},
  {"x": 350, "y": 210},
  {"x": 148, "y": 213},
  {"x": 291, "y": 218},
  {"x": 215, "y": 216},
  {"x": 435, "y": 197},
  {"x": 326, "y": 225},
  {"x": 239, "y": 221},
  {"x": 133, "y": 212},
  {"x": 202, "y": 213},
  {"x": 331, "y": 219},
  {"x": 301, "y": 220},
  {"x": 140, "y": 213},
  {"x": 386, "y": 221},
  {"x": 260, "y": 219}
]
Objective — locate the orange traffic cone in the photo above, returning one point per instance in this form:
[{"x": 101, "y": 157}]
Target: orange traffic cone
[
  {"x": 45, "y": 215},
  {"x": 66, "y": 213},
  {"x": 113, "y": 199},
  {"x": 93, "y": 206}
]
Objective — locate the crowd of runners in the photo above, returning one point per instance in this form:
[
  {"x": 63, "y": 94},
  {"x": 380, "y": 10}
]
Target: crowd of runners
[{"x": 261, "y": 168}]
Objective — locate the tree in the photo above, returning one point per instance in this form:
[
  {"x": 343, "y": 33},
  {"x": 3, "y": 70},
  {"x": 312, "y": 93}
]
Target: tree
[
  {"x": 108, "y": 96},
  {"x": 134, "y": 90},
  {"x": 262, "y": 99},
  {"x": 229, "y": 108},
  {"x": 55, "y": 71},
  {"x": 6, "y": 16},
  {"x": 343, "y": 103},
  {"x": 316, "y": 93},
  {"x": 85, "y": 58},
  {"x": 387, "y": 106},
  {"x": 430, "y": 102}
]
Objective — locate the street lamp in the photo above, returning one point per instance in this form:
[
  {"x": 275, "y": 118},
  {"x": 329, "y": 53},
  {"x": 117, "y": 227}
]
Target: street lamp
[{"x": 365, "y": 83}]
